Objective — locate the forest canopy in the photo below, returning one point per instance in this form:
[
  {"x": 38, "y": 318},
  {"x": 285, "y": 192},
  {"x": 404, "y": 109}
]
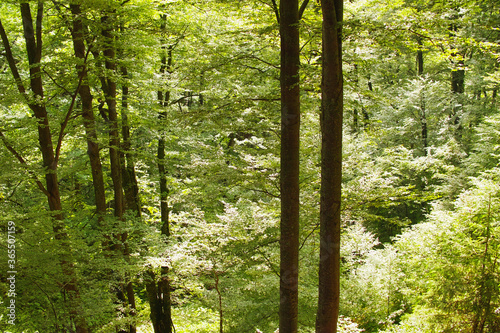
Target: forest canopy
[{"x": 145, "y": 178}]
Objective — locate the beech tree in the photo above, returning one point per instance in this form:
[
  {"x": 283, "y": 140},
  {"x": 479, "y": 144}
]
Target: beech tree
[
  {"x": 180, "y": 224},
  {"x": 331, "y": 166},
  {"x": 289, "y": 174},
  {"x": 35, "y": 99}
]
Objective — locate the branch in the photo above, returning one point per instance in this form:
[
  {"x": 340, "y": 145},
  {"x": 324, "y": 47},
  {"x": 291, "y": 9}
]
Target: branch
[
  {"x": 263, "y": 191},
  {"x": 266, "y": 99},
  {"x": 70, "y": 110},
  {"x": 12, "y": 61},
  {"x": 308, "y": 235},
  {"x": 57, "y": 84},
  {"x": 270, "y": 264},
  {"x": 276, "y": 10},
  {"x": 23, "y": 162},
  {"x": 39, "y": 17},
  {"x": 251, "y": 56},
  {"x": 307, "y": 42},
  {"x": 302, "y": 8}
]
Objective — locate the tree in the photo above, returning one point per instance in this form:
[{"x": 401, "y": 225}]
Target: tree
[
  {"x": 331, "y": 167},
  {"x": 35, "y": 100},
  {"x": 159, "y": 291},
  {"x": 289, "y": 175}
]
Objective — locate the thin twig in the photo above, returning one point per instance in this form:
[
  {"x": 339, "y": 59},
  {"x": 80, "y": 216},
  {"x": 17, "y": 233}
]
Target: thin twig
[{"x": 23, "y": 162}]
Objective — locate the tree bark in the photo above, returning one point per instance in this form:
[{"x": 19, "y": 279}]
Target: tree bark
[
  {"x": 289, "y": 175},
  {"x": 331, "y": 167},
  {"x": 159, "y": 301},
  {"x": 423, "y": 116},
  {"x": 457, "y": 85},
  {"x": 159, "y": 289},
  {"x": 130, "y": 185},
  {"x": 78, "y": 37},
  {"x": 110, "y": 97},
  {"x": 33, "y": 41},
  {"x": 110, "y": 92}
]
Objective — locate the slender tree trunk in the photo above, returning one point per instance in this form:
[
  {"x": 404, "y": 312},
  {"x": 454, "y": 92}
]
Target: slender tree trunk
[
  {"x": 457, "y": 84},
  {"x": 87, "y": 112},
  {"x": 33, "y": 41},
  {"x": 163, "y": 101},
  {"x": 130, "y": 185},
  {"x": 219, "y": 296},
  {"x": 159, "y": 291},
  {"x": 355, "y": 113},
  {"x": 423, "y": 117},
  {"x": 420, "y": 58},
  {"x": 114, "y": 134},
  {"x": 289, "y": 176},
  {"x": 110, "y": 91},
  {"x": 331, "y": 167}
]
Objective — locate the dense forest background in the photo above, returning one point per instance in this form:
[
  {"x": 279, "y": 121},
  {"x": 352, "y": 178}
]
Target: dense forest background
[{"x": 140, "y": 165}]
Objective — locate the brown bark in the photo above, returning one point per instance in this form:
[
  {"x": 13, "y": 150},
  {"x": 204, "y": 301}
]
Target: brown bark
[
  {"x": 33, "y": 48},
  {"x": 423, "y": 117},
  {"x": 109, "y": 88},
  {"x": 33, "y": 41},
  {"x": 289, "y": 176},
  {"x": 130, "y": 185},
  {"x": 159, "y": 291},
  {"x": 159, "y": 301},
  {"x": 219, "y": 297},
  {"x": 457, "y": 83},
  {"x": 81, "y": 53},
  {"x": 163, "y": 101},
  {"x": 331, "y": 167},
  {"x": 420, "y": 58}
]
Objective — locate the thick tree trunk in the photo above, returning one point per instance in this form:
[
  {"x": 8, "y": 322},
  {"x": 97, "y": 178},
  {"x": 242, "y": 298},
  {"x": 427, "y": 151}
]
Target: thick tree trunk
[
  {"x": 331, "y": 167},
  {"x": 159, "y": 301},
  {"x": 289, "y": 176}
]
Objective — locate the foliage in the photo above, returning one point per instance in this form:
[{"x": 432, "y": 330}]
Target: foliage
[{"x": 420, "y": 166}]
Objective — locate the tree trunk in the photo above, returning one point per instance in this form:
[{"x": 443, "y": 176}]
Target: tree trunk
[
  {"x": 331, "y": 167},
  {"x": 87, "y": 113},
  {"x": 130, "y": 185},
  {"x": 159, "y": 301},
  {"x": 420, "y": 58},
  {"x": 33, "y": 41},
  {"x": 219, "y": 297},
  {"x": 457, "y": 85},
  {"x": 110, "y": 92},
  {"x": 109, "y": 88},
  {"x": 289, "y": 175},
  {"x": 159, "y": 291},
  {"x": 423, "y": 117}
]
